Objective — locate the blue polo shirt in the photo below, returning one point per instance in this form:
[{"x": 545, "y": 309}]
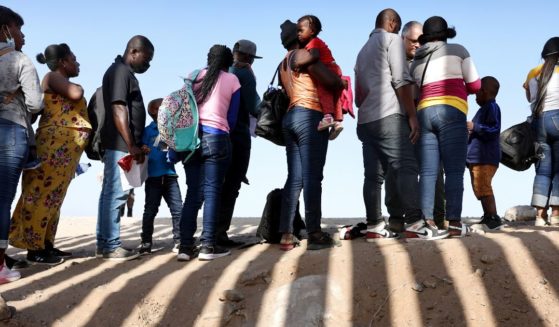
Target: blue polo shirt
[{"x": 157, "y": 160}]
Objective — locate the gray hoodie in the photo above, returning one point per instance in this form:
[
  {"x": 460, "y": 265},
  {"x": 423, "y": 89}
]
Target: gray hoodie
[{"x": 18, "y": 72}]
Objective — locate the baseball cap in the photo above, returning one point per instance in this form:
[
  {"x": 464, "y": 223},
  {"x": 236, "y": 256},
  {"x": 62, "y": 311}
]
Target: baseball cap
[{"x": 246, "y": 47}]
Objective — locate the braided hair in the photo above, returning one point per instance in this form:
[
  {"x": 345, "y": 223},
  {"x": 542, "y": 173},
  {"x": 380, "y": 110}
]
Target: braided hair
[{"x": 220, "y": 58}]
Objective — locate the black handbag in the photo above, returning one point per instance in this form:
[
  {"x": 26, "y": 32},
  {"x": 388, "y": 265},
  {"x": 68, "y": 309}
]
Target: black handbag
[
  {"x": 272, "y": 109},
  {"x": 518, "y": 151}
]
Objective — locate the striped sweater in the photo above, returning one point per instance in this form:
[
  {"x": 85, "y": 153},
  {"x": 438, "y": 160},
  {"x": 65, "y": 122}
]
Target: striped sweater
[{"x": 451, "y": 75}]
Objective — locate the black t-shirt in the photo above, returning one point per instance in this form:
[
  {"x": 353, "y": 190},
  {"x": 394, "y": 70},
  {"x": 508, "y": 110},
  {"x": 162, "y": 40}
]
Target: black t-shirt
[{"x": 120, "y": 85}]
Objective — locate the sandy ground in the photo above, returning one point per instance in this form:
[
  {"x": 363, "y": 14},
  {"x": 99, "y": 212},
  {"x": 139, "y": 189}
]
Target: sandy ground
[{"x": 505, "y": 278}]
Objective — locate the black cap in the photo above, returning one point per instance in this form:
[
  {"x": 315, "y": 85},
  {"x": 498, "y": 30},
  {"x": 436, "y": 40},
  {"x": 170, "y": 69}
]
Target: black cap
[{"x": 288, "y": 33}]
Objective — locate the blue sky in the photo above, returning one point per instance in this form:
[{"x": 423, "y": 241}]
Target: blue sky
[{"x": 504, "y": 40}]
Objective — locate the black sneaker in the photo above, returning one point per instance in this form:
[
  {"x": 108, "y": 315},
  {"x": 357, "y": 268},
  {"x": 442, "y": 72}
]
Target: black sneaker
[
  {"x": 321, "y": 240},
  {"x": 43, "y": 257},
  {"x": 120, "y": 253},
  {"x": 60, "y": 253},
  {"x": 145, "y": 248},
  {"x": 490, "y": 223},
  {"x": 209, "y": 252},
  {"x": 15, "y": 264},
  {"x": 186, "y": 253}
]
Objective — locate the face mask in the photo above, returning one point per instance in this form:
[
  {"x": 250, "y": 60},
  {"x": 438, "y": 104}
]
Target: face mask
[{"x": 9, "y": 39}]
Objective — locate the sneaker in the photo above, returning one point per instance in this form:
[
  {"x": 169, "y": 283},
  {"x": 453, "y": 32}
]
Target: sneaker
[
  {"x": 208, "y": 252},
  {"x": 98, "y": 253},
  {"x": 321, "y": 241},
  {"x": 457, "y": 229},
  {"x": 145, "y": 248},
  {"x": 34, "y": 164},
  {"x": 186, "y": 253},
  {"x": 554, "y": 220},
  {"x": 7, "y": 275},
  {"x": 335, "y": 131},
  {"x": 43, "y": 257},
  {"x": 60, "y": 253},
  {"x": 120, "y": 253},
  {"x": 490, "y": 223},
  {"x": 379, "y": 232},
  {"x": 326, "y": 122},
  {"x": 541, "y": 222},
  {"x": 176, "y": 247},
  {"x": 425, "y": 230}
]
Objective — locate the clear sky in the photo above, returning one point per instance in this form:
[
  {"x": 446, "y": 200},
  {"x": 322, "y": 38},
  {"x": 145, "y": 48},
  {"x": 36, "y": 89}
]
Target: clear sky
[{"x": 504, "y": 40}]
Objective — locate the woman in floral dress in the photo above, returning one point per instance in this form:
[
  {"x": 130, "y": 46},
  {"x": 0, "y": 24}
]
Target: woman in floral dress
[{"x": 61, "y": 138}]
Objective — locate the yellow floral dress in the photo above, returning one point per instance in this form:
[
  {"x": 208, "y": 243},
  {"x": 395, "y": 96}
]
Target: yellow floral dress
[{"x": 61, "y": 139}]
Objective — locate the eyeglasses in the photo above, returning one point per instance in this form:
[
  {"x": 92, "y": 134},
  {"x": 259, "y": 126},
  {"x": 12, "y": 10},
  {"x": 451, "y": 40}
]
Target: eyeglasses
[{"x": 412, "y": 41}]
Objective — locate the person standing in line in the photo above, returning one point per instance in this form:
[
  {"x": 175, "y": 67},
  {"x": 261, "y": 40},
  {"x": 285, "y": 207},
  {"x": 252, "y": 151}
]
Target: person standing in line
[
  {"x": 387, "y": 126},
  {"x": 122, "y": 134},
  {"x": 545, "y": 109},
  {"x": 162, "y": 182},
  {"x": 20, "y": 95},
  {"x": 244, "y": 53},
  {"x": 61, "y": 138},
  {"x": 446, "y": 74},
  {"x": 218, "y": 96},
  {"x": 484, "y": 151},
  {"x": 306, "y": 146}
]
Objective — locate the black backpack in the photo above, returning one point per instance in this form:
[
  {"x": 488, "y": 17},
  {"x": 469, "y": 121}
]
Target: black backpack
[
  {"x": 518, "y": 147},
  {"x": 96, "y": 113},
  {"x": 268, "y": 229}
]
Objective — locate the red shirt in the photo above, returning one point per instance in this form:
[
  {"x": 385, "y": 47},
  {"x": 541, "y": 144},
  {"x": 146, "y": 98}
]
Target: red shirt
[{"x": 325, "y": 53}]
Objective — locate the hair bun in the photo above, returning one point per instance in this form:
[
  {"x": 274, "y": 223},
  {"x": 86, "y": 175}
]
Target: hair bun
[{"x": 41, "y": 58}]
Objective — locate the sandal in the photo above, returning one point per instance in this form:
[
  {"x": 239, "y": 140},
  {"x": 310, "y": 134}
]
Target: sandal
[{"x": 288, "y": 242}]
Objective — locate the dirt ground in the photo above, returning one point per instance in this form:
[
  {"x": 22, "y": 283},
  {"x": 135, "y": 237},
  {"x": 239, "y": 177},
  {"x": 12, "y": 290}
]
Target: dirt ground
[{"x": 507, "y": 278}]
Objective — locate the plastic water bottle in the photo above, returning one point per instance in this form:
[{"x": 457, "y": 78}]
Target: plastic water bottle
[{"x": 82, "y": 168}]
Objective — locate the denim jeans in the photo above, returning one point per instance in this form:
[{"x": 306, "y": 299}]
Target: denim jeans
[
  {"x": 306, "y": 149},
  {"x": 13, "y": 152},
  {"x": 236, "y": 174},
  {"x": 112, "y": 197},
  {"x": 444, "y": 138},
  {"x": 166, "y": 187},
  {"x": 205, "y": 173},
  {"x": 386, "y": 143},
  {"x": 546, "y": 181}
]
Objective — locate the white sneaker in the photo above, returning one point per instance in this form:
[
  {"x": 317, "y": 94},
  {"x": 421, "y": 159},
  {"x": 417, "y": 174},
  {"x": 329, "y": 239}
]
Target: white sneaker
[
  {"x": 7, "y": 275},
  {"x": 176, "y": 248},
  {"x": 425, "y": 230},
  {"x": 541, "y": 222},
  {"x": 379, "y": 232},
  {"x": 554, "y": 220}
]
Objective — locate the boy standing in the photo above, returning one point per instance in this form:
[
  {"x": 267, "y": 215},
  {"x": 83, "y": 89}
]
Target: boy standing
[
  {"x": 161, "y": 182},
  {"x": 484, "y": 152}
]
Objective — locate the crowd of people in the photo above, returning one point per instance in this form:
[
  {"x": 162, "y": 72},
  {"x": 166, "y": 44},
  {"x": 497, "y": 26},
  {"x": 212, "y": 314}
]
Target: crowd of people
[{"x": 411, "y": 92}]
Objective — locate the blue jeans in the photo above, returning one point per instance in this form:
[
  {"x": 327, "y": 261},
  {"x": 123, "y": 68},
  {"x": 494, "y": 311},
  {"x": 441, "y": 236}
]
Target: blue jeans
[
  {"x": 444, "y": 138},
  {"x": 306, "y": 149},
  {"x": 546, "y": 181},
  {"x": 112, "y": 197},
  {"x": 13, "y": 152},
  {"x": 386, "y": 143},
  {"x": 236, "y": 174},
  {"x": 166, "y": 187},
  {"x": 205, "y": 173}
]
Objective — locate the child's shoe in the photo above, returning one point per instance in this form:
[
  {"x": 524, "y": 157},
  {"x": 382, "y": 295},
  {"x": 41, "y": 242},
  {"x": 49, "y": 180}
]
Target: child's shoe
[
  {"x": 7, "y": 275},
  {"x": 336, "y": 130},
  {"x": 33, "y": 164},
  {"x": 326, "y": 122}
]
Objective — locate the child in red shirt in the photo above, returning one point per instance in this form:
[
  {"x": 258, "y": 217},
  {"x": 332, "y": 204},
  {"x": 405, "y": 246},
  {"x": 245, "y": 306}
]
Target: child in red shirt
[{"x": 308, "y": 28}]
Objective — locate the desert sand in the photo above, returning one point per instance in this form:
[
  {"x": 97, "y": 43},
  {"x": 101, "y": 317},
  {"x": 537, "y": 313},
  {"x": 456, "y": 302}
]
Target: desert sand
[{"x": 507, "y": 278}]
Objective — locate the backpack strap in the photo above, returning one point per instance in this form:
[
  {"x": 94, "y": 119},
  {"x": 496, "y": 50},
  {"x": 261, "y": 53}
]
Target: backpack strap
[
  {"x": 424, "y": 71},
  {"x": 6, "y": 50}
]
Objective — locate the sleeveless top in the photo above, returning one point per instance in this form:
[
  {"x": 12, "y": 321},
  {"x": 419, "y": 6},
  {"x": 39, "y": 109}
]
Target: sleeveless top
[
  {"x": 62, "y": 112},
  {"x": 299, "y": 86}
]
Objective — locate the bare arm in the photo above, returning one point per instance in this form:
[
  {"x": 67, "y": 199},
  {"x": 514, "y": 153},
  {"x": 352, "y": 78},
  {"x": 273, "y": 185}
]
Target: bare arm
[
  {"x": 305, "y": 61},
  {"x": 120, "y": 117},
  {"x": 58, "y": 84},
  {"x": 406, "y": 99},
  {"x": 318, "y": 71}
]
